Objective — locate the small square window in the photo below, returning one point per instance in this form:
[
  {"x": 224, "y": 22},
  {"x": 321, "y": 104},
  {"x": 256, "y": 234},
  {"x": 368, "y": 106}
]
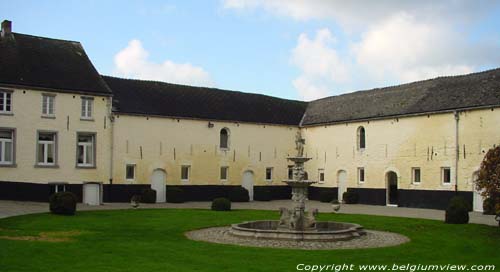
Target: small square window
[
  {"x": 290, "y": 172},
  {"x": 361, "y": 174},
  {"x": 223, "y": 173},
  {"x": 415, "y": 175},
  {"x": 321, "y": 175},
  {"x": 185, "y": 169},
  {"x": 130, "y": 172},
  {"x": 59, "y": 188},
  {"x": 269, "y": 174},
  {"x": 446, "y": 175}
]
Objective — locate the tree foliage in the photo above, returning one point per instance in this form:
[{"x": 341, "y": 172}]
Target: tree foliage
[{"x": 488, "y": 180}]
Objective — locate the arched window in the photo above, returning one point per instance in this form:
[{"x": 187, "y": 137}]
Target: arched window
[
  {"x": 361, "y": 138},
  {"x": 224, "y": 138}
]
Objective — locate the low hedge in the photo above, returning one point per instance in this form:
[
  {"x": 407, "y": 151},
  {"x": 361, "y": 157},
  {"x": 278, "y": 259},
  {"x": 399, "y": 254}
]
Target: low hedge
[
  {"x": 175, "y": 195},
  {"x": 489, "y": 206},
  {"x": 148, "y": 196},
  {"x": 239, "y": 194},
  {"x": 457, "y": 211},
  {"x": 63, "y": 203},
  {"x": 350, "y": 197},
  {"x": 221, "y": 204},
  {"x": 327, "y": 196}
]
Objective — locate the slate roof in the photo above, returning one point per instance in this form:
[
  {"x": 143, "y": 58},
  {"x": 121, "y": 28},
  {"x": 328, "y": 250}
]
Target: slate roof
[
  {"x": 172, "y": 100},
  {"x": 48, "y": 64},
  {"x": 440, "y": 94}
]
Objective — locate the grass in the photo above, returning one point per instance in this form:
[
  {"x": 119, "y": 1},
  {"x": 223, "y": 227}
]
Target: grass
[{"x": 153, "y": 240}]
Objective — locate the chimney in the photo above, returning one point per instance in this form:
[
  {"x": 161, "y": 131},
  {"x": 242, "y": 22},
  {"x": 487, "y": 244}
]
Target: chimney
[{"x": 6, "y": 28}]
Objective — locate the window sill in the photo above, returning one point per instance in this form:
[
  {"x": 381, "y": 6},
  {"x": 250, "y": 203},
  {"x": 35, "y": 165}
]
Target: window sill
[
  {"x": 86, "y": 166},
  {"x": 86, "y": 119},
  {"x": 48, "y": 116},
  {"x": 8, "y": 165},
  {"x": 46, "y": 166},
  {"x": 184, "y": 180},
  {"x": 6, "y": 113}
]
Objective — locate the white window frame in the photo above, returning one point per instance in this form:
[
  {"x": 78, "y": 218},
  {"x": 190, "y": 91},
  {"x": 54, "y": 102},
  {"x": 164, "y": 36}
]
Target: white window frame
[
  {"x": 3, "y": 143},
  {"x": 133, "y": 165},
  {"x": 271, "y": 170},
  {"x": 56, "y": 186},
  {"x": 413, "y": 176},
  {"x": 359, "y": 175},
  {"x": 442, "y": 175},
  {"x": 48, "y": 104},
  {"x": 321, "y": 171},
  {"x": 87, "y": 108},
  {"x": 3, "y": 107},
  {"x": 188, "y": 172},
  {"x": 226, "y": 172},
  {"x": 46, "y": 145},
  {"x": 92, "y": 144}
]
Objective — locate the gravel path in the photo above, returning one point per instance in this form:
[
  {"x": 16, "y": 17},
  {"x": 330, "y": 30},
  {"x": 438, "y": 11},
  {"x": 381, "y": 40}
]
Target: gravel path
[{"x": 220, "y": 235}]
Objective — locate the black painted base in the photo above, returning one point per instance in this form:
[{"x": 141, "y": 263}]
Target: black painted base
[
  {"x": 430, "y": 199},
  {"x": 315, "y": 192}
]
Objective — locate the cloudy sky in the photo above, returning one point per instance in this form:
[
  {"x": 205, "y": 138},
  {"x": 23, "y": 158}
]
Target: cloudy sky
[{"x": 286, "y": 48}]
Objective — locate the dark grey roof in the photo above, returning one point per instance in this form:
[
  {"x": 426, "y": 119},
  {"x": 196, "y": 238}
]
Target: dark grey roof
[
  {"x": 165, "y": 99},
  {"x": 49, "y": 64},
  {"x": 440, "y": 94}
]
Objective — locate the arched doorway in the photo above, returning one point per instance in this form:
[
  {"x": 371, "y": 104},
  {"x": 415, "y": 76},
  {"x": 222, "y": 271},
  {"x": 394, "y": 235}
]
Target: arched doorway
[
  {"x": 159, "y": 184},
  {"x": 247, "y": 183},
  {"x": 477, "y": 201},
  {"x": 392, "y": 188},
  {"x": 342, "y": 184}
]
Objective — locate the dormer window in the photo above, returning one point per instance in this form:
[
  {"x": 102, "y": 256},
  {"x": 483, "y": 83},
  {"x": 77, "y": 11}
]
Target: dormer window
[
  {"x": 224, "y": 138},
  {"x": 361, "y": 138}
]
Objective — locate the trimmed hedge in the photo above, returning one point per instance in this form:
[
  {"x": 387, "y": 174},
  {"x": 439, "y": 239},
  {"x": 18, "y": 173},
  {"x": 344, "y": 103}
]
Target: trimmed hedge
[
  {"x": 457, "y": 211},
  {"x": 489, "y": 206},
  {"x": 263, "y": 194},
  {"x": 63, "y": 203},
  {"x": 239, "y": 194},
  {"x": 175, "y": 195},
  {"x": 221, "y": 204},
  {"x": 327, "y": 196},
  {"x": 148, "y": 196},
  {"x": 350, "y": 197}
]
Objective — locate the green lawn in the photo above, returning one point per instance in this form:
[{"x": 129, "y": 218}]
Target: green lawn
[{"x": 153, "y": 240}]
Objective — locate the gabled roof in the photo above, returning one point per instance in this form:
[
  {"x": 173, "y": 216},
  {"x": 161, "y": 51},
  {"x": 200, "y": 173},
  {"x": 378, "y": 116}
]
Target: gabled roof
[
  {"x": 172, "y": 100},
  {"x": 440, "y": 94},
  {"x": 48, "y": 64}
]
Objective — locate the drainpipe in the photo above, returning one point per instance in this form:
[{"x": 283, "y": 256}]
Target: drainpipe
[{"x": 457, "y": 151}]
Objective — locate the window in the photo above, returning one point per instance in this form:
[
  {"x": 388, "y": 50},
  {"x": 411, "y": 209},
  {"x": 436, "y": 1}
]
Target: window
[
  {"x": 290, "y": 172},
  {"x": 269, "y": 173},
  {"x": 87, "y": 103},
  {"x": 224, "y": 138},
  {"x": 446, "y": 175},
  {"x": 185, "y": 169},
  {"x": 130, "y": 172},
  {"x": 5, "y": 102},
  {"x": 361, "y": 174},
  {"x": 85, "y": 150},
  {"x": 46, "y": 148},
  {"x": 223, "y": 173},
  {"x": 6, "y": 147},
  {"x": 361, "y": 138},
  {"x": 48, "y": 105},
  {"x": 321, "y": 175},
  {"x": 59, "y": 188},
  {"x": 415, "y": 175}
]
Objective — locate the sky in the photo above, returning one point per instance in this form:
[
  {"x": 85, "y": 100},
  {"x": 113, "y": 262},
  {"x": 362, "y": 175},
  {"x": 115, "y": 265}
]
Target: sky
[{"x": 292, "y": 49}]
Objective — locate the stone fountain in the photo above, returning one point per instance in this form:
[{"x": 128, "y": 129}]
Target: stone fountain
[{"x": 297, "y": 223}]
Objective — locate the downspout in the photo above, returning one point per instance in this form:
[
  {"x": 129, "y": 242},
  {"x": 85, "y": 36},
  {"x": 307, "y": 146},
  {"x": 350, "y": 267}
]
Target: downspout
[{"x": 457, "y": 151}]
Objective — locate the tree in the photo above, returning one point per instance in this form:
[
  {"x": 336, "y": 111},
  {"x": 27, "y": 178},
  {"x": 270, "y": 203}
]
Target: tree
[{"x": 488, "y": 181}]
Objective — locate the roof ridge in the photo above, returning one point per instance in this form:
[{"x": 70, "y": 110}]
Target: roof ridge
[{"x": 46, "y": 38}]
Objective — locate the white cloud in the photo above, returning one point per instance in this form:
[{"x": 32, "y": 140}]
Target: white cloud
[
  {"x": 133, "y": 62},
  {"x": 308, "y": 90}
]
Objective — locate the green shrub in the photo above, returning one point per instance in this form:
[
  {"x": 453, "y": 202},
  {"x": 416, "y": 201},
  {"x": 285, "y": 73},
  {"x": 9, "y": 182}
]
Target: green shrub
[
  {"x": 262, "y": 194},
  {"x": 175, "y": 195},
  {"x": 350, "y": 197},
  {"x": 489, "y": 206},
  {"x": 148, "y": 196},
  {"x": 221, "y": 204},
  {"x": 239, "y": 194},
  {"x": 63, "y": 203},
  {"x": 326, "y": 196},
  {"x": 457, "y": 211}
]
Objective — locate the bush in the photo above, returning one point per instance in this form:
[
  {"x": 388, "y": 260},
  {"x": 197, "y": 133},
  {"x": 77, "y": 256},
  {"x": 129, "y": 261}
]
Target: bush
[
  {"x": 175, "y": 195},
  {"x": 457, "y": 211},
  {"x": 489, "y": 206},
  {"x": 239, "y": 194},
  {"x": 263, "y": 194},
  {"x": 326, "y": 196},
  {"x": 350, "y": 197},
  {"x": 63, "y": 203},
  {"x": 221, "y": 204},
  {"x": 148, "y": 196}
]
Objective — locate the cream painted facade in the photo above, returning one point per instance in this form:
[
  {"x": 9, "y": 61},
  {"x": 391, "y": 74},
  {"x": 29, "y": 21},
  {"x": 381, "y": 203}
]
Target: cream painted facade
[{"x": 27, "y": 120}]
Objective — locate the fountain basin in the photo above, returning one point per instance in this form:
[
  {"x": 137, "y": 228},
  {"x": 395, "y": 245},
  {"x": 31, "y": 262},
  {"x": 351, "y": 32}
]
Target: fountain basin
[{"x": 325, "y": 231}]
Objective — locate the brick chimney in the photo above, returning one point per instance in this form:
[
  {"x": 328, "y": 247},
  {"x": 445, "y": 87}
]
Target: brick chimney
[{"x": 6, "y": 28}]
